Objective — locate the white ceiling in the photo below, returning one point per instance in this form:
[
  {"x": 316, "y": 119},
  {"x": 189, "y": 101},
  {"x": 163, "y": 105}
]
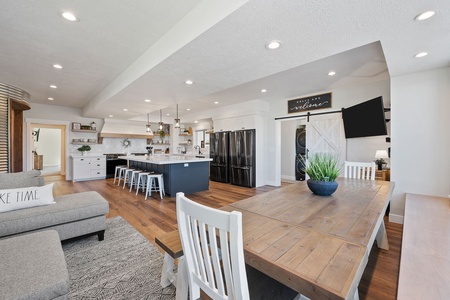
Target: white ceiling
[{"x": 124, "y": 51}]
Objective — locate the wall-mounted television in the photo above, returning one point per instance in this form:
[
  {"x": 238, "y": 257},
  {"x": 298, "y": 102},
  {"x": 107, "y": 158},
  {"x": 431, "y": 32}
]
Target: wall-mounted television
[{"x": 365, "y": 119}]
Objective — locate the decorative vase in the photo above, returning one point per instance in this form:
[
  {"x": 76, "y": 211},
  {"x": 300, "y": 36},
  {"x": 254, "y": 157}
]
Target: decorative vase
[{"x": 322, "y": 188}]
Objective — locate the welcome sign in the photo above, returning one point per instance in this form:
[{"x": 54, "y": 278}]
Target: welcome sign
[{"x": 309, "y": 103}]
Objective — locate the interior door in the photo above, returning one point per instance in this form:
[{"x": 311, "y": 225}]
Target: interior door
[{"x": 325, "y": 134}]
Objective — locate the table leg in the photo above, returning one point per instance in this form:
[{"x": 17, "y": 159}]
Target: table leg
[
  {"x": 167, "y": 275},
  {"x": 182, "y": 280},
  {"x": 381, "y": 237},
  {"x": 356, "y": 296}
]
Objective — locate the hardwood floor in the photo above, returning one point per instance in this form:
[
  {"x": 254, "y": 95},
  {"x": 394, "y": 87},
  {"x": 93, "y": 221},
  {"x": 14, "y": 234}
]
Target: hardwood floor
[{"x": 156, "y": 216}]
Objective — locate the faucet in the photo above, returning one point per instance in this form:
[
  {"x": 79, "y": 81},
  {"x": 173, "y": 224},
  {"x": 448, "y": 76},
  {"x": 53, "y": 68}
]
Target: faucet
[{"x": 199, "y": 149}]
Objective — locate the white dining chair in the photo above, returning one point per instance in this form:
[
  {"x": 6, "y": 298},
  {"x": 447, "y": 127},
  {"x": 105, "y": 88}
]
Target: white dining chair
[
  {"x": 213, "y": 251},
  {"x": 359, "y": 170}
]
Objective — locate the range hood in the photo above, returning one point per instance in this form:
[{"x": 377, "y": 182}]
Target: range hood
[{"x": 124, "y": 129}]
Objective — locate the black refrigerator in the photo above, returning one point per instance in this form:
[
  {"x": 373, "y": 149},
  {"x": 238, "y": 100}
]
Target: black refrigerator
[
  {"x": 242, "y": 158},
  {"x": 219, "y": 152}
]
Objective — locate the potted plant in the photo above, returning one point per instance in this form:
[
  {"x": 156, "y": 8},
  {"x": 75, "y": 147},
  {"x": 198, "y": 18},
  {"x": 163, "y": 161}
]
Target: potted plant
[
  {"x": 322, "y": 169},
  {"x": 380, "y": 162},
  {"x": 84, "y": 148},
  {"x": 162, "y": 134}
]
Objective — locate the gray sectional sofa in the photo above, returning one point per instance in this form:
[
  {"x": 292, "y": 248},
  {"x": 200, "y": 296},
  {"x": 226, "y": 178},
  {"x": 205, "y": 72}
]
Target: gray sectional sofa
[
  {"x": 32, "y": 261},
  {"x": 72, "y": 216}
]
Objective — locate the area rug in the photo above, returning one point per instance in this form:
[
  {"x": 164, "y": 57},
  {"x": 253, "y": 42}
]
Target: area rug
[{"x": 123, "y": 266}]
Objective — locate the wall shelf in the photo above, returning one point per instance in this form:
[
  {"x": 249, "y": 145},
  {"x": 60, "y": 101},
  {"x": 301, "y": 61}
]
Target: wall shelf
[
  {"x": 84, "y": 130},
  {"x": 84, "y": 143}
]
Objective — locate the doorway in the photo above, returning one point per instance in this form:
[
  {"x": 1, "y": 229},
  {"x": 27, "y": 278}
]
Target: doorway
[{"x": 48, "y": 148}]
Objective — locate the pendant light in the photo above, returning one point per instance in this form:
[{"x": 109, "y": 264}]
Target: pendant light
[
  {"x": 177, "y": 121},
  {"x": 160, "y": 120},
  {"x": 148, "y": 127}
]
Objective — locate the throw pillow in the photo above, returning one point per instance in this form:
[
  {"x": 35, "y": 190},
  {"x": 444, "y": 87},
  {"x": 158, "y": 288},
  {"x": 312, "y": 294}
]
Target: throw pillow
[{"x": 13, "y": 199}]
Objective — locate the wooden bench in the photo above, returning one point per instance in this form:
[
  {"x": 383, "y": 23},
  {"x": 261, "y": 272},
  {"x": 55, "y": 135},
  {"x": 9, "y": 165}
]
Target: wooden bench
[{"x": 425, "y": 256}]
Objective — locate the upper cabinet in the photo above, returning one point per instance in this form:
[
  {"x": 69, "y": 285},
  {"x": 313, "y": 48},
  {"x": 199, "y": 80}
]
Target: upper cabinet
[{"x": 236, "y": 123}]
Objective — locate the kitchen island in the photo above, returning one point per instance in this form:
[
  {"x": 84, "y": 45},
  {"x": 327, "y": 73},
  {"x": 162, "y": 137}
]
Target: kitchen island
[{"x": 187, "y": 174}]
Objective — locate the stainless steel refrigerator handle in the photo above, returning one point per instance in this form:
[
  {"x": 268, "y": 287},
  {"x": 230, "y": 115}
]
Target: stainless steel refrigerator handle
[{"x": 242, "y": 168}]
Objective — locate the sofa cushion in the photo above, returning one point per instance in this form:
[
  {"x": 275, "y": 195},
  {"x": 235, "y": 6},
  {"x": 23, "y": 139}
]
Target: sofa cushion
[
  {"x": 33, "y": 267},
  {"x": 12, "y": 199},
  {"x": 21, "y": 179},
  {"x": 68, "y": 208}
]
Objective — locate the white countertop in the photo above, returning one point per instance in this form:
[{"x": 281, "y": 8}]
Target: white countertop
[
  {"x": 166, "y": 159},
  {"x": 87, "y": 155}
]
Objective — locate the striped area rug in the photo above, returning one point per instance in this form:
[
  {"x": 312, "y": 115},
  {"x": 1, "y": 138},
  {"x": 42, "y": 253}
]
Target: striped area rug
[{"x": 123, "y": 266}]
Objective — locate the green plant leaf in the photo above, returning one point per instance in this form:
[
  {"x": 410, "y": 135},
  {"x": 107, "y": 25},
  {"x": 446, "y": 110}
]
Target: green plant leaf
[{"x": 322, "y": 166}]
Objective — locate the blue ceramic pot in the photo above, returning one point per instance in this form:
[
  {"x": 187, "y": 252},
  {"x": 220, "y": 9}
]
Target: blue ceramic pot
[{"x": 322, "y": 188}]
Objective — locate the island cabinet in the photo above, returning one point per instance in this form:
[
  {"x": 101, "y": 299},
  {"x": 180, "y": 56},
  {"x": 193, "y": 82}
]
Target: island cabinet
[
  {"x": 88, "y": 167},
  {"x": 181, "y": 174}
]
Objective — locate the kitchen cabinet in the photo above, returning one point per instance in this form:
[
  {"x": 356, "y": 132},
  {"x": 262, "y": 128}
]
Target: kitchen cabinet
[
  {"x": 236, "y": 123},
  {"x": 88, "y": 167}
]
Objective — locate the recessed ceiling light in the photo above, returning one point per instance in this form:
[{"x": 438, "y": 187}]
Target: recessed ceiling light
[
  {"x": 216, "y": 102},
  {"x": 148, "y": 100},
  {"x": 125, "y": 109},
  {"x": 188, "y": 109},
  {"x": 69, "y": 16},
  {"x": 331, "y": 73},
  {"x": 273, "y": 45},
  {"x": 195, "y": 121},
  {"x": 424, "y": 15},
  {"x": 57, "y": 66},
  {"x": 51, "y": 99},
  {"x": 167, "y": 114},
  {"x": 110, "y": 116},
  {"x": 421, "y": 54},
  {"x": 189, "y": 82},
  {"x": 53, "y": 86},
  {"x": 263, "y": 91}
]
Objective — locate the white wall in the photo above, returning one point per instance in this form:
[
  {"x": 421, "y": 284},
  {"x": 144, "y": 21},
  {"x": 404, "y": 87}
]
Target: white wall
[
  {"x": 48, "y": 145},
  {"x": 358, "y": 149},
  {"x": 420, "y": 136}
]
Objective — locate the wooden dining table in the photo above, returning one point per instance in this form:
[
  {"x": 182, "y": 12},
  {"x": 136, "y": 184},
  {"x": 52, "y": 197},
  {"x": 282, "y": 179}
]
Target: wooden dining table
[{"x": 316, "y": 245}]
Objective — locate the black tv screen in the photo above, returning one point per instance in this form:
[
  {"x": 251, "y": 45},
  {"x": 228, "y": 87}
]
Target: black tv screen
[{"x": 365, "y": 119}]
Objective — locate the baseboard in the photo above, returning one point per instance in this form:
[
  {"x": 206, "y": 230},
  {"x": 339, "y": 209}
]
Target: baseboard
[
  {"x": 396, "y": 218},
  {"x": 288, "y": 177},
  {"x": 272, "y": 183}
]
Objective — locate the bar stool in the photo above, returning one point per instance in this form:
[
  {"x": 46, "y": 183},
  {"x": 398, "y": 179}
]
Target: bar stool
[
  {"x": 132, "y": 180},
  {"x": 121, "y": 173},
  {"x": 152, "y": 187},
  {"x": 143, "y": 182},
  {"x": 117, "y": 172},
  {"x": 127, "y": 176}
]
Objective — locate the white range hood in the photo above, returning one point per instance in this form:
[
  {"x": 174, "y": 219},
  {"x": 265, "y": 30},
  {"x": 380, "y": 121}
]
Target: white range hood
[{"x": 124, "y": 129}]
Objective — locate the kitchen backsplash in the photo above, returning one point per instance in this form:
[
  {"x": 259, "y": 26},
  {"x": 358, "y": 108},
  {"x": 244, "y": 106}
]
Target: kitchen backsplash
[{"x": 114, "y": 145}]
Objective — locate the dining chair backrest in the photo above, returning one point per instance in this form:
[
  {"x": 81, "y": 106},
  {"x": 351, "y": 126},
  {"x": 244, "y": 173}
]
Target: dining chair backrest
[
  {"x": 213, "y": 250},
  {"x": 359, "y": 170}
]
